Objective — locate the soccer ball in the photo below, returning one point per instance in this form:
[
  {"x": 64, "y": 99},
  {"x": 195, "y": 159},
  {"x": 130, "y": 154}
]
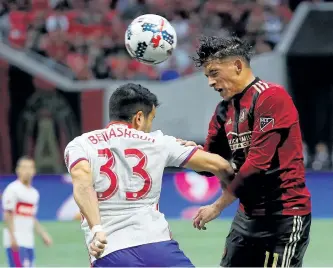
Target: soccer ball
[{"x": 150, "y": 39}]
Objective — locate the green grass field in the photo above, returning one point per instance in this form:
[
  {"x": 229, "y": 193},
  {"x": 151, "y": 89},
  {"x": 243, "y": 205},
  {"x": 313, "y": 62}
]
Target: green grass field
[{"x": 203, "y": 248}]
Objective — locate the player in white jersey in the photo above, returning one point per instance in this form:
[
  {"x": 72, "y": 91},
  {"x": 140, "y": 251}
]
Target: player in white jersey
[
  {"x": 117, "y": 179},
  {"x": 20, "y": 203}
]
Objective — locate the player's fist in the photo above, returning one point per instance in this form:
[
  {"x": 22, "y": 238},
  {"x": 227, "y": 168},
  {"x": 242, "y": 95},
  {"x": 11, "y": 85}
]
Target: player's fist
[
  {"x": 205, "y": 214},
  {"x": 47, "y": 239},
  {"x": 97, "y": 246},
  {"x": 189, "y": 143},
  {"x": 13, "y": 244}
]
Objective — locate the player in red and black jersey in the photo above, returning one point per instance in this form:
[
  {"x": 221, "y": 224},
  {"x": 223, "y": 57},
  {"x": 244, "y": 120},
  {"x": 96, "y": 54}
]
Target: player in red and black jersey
[{"x": 256, "y": 126}]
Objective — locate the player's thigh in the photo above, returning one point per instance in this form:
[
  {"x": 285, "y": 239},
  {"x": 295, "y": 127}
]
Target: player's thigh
[
  {"x": 289, "y": 248},
  {"x": 10, "y": 257},
  {"x": 14, "y": 257},
  {"x": 26, "y": 256},
  {"x": 238, "y": 251}
]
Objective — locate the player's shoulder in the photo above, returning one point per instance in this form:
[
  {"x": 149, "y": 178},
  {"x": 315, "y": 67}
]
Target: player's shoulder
[
  {"x": 268, "y": 90},
  {"x": 12, "y": 186},
  {"x": 35, "y": 191},
  {"x": 78, "y": 140}
]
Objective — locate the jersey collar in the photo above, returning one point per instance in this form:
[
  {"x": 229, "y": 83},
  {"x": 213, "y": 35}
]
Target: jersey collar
[
  {"x": 239, "y": 95},
  {"x": 129, "y": 125}
]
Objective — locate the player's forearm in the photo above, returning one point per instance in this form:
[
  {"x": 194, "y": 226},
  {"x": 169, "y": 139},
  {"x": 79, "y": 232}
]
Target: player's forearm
[
  {"x": 39, "y": 228},
  {"x": 86, "y": 199},
  {"x": 225, "y": 173},
  {"x": 9, "y": 221},
  {"x": 225, "y": 200}
]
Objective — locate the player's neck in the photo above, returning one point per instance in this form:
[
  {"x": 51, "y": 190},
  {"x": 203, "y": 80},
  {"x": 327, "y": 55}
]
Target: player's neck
[
  {"x": 244, "y": 83},
  {"x": 25, "y": 183},
  {"x": 117, "y": 122}
]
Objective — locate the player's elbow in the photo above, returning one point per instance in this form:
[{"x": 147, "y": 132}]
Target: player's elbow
[
  {"x": 8, "y": 216},
  {"x": 221, "y": 168}
]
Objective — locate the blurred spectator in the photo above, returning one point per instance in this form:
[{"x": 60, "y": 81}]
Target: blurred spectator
[
  {"x": 321, "y": 157},
  {"x": 57, "y": 21}
]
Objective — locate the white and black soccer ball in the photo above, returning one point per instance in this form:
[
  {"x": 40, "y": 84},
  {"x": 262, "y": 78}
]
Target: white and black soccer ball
[{"x": 150, "y": 39}]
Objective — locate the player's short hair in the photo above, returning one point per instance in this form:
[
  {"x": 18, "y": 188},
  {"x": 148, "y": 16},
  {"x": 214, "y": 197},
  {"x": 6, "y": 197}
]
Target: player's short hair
[
  {"x": 213, "y": 47},
  {"x": 23, "y": 158},
  {"x": 129, "y": 99}
]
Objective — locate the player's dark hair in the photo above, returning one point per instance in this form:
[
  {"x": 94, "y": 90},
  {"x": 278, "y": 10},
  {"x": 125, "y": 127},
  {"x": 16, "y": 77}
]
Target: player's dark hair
[
  {"x": 23, "y": 158},
  {"x": 213, "y": 47},
  {"x": 129, "y": 99}
]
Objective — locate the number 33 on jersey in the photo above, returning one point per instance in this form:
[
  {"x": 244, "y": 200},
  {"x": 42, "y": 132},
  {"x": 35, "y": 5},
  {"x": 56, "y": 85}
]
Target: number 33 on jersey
[{"x": 127, "y": 164}]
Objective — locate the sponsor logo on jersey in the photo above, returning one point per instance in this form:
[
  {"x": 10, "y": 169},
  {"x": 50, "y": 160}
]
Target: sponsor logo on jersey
[
  {"x": 239, "y": 141},
  {"x": 196, "y": 188},
  {"x": 25, "y": 209},
  {"x": 266, "y": 123}
]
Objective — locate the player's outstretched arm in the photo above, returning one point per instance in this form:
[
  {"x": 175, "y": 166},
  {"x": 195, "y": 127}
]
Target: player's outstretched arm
[
  {"x": 84, "y": 193},
  {"x": 213, "y": 163}
]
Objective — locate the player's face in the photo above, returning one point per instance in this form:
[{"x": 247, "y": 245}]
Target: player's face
[
  {"x": 25, "y": 170},
  {"x": 224, "y": 76},
  {"x": 142, "y": 122}
]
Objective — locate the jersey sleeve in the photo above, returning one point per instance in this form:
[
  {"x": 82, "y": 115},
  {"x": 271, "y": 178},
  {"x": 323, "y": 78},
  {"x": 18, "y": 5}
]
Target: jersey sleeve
[
  {"x": 74, "y": 153},
  {"x": 9, "y": 199},
  {"x": 274, "y": 114},
  {"x": 178, "y": 155}
]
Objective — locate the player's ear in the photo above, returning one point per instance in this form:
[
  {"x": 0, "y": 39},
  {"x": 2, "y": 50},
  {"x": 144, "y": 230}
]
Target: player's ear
[
  {"x": 138, "y": 120},
  {"x": 238, "y": 64}
]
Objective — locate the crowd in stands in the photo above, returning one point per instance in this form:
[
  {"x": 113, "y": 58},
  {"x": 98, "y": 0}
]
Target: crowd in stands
[{"x": 88, "y": 35}]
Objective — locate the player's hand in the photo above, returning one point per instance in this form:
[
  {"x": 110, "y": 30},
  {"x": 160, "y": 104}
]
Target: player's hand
[
  {"x": 47, "y": 239},
  {"x": 14, "y": 245},
  {"x": 189, "y": 143},
  {"x": 97, "y": 246},
  {"x": 204, "y": 215}
]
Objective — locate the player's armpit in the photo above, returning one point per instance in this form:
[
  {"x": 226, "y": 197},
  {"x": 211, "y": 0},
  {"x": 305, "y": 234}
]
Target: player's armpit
[
  {"x": 213, "y": 163},
  {"x": 84, "y": 194}
]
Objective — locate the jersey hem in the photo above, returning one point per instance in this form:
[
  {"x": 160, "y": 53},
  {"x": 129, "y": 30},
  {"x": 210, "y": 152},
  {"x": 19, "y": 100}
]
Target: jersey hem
[{"x": 285, "y": 212}]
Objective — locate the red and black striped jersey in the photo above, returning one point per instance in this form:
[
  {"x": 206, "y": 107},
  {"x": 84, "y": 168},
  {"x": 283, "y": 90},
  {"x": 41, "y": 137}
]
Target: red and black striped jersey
[{"x": 259, "y": 130}]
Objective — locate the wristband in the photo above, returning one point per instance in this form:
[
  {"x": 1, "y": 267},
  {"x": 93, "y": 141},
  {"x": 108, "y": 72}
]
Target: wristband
[{"x": 97, "y": 228}]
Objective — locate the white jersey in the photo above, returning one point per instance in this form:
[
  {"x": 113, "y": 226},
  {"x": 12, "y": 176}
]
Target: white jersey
[
  {"x": 127, "y": 167},
  {"x": 23, "y": 201}
]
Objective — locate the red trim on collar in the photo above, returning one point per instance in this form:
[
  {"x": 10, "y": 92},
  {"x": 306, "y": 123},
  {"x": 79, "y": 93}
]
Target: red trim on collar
[{"x": 129, "y": 125}]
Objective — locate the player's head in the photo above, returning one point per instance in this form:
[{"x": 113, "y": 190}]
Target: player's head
[
  {"x": 134, "y": 104},
  {"x": 226, "y": 63},
  {"x": 25, "y": 169}
]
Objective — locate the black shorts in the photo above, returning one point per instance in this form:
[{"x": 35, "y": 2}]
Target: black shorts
[{"x": 266, "y": 241}]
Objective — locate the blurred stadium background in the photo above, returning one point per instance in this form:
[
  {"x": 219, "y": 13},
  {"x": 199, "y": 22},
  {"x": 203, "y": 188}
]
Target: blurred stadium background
[{"x": 61, "y": 59}]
